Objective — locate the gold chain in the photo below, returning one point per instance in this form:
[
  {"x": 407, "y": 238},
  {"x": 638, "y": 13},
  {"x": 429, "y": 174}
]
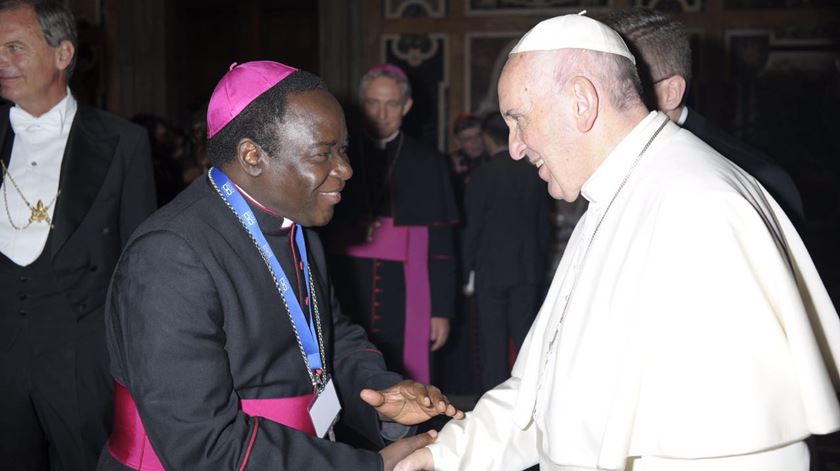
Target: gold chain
[{"x": 39, "y": 213}]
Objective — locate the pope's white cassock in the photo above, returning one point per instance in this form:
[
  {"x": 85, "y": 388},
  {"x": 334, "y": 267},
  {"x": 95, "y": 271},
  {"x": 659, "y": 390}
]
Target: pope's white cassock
[{"x": 697, "y": 334}]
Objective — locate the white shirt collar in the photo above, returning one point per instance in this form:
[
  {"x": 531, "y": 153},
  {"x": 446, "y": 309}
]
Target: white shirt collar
[
  {"x": 286, "y": 221},
  {"x": 381, "y": 143},
  {"x": 683, "y": 116},
  {"x": 61, "y": 114}
]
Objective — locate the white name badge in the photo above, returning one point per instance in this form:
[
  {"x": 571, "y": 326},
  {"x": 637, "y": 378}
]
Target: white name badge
[{"x": 324, "y": 409}]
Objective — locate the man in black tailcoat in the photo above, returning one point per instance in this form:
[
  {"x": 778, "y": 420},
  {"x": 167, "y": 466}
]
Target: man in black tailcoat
[{"x": 76, "y": 182}]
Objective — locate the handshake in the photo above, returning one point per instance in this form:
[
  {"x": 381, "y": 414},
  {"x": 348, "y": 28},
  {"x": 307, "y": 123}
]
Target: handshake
[{"x": 410, "y": 403}]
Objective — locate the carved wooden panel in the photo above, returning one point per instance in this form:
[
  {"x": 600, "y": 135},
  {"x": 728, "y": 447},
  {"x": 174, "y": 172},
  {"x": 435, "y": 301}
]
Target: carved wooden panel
[
  {"x": 777, "y": 4},
  {"x": 672, "y": 6},
  {"x": 415, "y": 8},
  {"x": 485, "y": 55},
  {"x": 86, "y": 11},
  {"x": 531, "y": 7}
]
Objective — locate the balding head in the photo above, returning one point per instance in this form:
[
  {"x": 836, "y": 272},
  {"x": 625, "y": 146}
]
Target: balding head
[{"x": 566, "y": 109}]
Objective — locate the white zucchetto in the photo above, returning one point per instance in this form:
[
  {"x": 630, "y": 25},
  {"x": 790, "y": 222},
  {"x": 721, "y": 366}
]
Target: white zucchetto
[{"x": 573, "y": 32}]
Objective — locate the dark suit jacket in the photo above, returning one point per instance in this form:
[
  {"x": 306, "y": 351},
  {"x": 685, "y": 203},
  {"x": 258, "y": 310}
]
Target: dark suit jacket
[
  {"x": 770, "y": 174},
  {"x": 195, "y": 323},
  {"x": 107, "y": 189},
  {"x": 507, "y": 223}
]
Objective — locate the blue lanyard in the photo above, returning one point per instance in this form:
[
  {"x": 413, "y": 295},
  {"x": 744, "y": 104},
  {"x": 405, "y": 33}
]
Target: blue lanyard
[{"x": 306, "y": 333}]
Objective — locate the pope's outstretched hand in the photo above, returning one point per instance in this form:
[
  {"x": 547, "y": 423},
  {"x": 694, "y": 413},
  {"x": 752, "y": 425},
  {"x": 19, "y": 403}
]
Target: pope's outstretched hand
[{"x": 420, "y": 460}]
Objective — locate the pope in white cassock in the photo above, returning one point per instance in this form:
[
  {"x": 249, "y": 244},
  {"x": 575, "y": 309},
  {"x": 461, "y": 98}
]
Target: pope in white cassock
[{"x": 686, "y": 327}]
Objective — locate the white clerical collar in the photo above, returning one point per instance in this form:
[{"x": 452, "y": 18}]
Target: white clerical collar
[
  {"x": 62, "y": 113},
  {"x": 381, "y": 143},
  {"x": 683, "y": 116},
  {"x": 287, "y": 223},
  {"x": 608, "y": 176}
]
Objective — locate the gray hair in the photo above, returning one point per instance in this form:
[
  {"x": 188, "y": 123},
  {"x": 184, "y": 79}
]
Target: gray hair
[
  {"x": 609, "y": 72},
  {"x": 56, "y": 20},
  {"x": 376, "y": 72}
]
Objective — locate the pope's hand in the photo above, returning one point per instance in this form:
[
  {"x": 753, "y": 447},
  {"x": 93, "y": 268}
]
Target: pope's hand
[
  {"x": 409, "y": 402},
  {"x": 420, "y": 460},
  {"x": 393, "y": 453}
]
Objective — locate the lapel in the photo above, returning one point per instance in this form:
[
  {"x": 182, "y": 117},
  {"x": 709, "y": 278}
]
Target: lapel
[
  {"x": 87, "y": 157},
  {"x": 696, "y": 123},
  {"x": 6, "y": 135}
]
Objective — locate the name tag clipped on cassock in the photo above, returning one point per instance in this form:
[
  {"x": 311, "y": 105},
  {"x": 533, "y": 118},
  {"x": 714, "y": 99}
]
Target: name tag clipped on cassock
[{"x": 324, "y": 409}]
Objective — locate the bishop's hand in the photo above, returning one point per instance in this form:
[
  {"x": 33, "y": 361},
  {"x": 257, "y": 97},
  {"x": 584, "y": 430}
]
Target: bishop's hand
[{"x": 409, "y": 402}]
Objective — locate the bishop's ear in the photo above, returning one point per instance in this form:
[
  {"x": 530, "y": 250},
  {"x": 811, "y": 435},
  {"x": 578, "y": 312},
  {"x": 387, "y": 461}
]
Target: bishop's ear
[{"x": 250, "y": 156}]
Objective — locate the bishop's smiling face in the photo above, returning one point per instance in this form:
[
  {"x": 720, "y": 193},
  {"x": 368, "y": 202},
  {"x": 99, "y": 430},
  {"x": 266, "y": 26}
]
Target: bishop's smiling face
[{"x": 304, "y": 179}]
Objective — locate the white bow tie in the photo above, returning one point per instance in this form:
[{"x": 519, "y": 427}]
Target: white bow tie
[{"x": 28, "y": 126}]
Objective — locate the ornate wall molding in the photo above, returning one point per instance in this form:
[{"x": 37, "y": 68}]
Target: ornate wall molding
[
  {"x": 672, "y": 6},
  {"x": 776, "y": 4},
  {"x": 531, "y": 7},
  {"x": 414, "y": 8}
]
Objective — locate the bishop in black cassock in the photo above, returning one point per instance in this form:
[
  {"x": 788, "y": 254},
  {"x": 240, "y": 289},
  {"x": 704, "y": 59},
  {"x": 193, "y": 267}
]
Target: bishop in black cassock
[
  {"x": 394, "y": 232},
  {"x": 209, "y": 366}
]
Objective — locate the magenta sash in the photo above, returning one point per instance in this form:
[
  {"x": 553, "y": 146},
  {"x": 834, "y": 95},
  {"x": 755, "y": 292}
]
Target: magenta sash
[
  {"x": 410, "y": 245},
  {"x": 130, "y": 445}
]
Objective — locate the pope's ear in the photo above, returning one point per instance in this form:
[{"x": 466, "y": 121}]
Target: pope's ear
[
  {"x": 585, "y": 101},
  {"x": 249, "y": 157}
]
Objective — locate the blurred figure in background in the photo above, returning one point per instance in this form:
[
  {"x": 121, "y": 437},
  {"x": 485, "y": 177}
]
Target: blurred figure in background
[
  {"x": 394, "y": 236},
  {"x": 169, "y": 179},
  {"x": 470, "y": 154},
  {"x": 505, "y": 246}
]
